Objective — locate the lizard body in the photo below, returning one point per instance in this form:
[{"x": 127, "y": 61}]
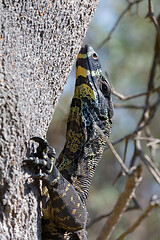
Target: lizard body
[{"x": 66, "y": 182}]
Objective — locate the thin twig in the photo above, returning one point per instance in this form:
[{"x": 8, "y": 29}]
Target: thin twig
[
  {"x": 151, "y": 141},
  {"x": 148, "y": 113},
  {"x": 130, "y": 4},
  {"x": 148, "y": 139},
  {"x": 124, "y": 159},
  {"x": 122, "y": 97},
  {"x": 151, "y": 16},
  {"x": 153, "y": 144},
  {"x": 141, "y": 124},
  {"x": 123, "y": 166},
  {"x": 132, "y": 181},
  {"x": 125, "y": 150},
  {"x": 155, "y": 202},
  {"x": 152, "y": 147},
  {"x": 157, "y": 44},
  {"x": 130, "y": 106},
  {"x": 145, "y": 158},
  {"x": 130, "y": 208},
  {"x": 150, "y": 165}
]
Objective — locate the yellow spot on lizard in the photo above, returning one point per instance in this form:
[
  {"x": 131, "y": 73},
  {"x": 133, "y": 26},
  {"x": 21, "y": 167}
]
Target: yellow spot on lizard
[{"x": 74, "y": 211}]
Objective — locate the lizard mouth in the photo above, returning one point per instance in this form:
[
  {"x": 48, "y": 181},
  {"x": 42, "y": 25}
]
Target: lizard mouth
[{"x": 84, "y": 49}]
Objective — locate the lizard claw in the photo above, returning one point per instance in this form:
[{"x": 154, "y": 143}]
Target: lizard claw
[
  {"x": 41, "y": 159},
  {"x": 40, "y": 175},
  {"x": 42, "y": 142},
  {"x": 44, "y": 147}
]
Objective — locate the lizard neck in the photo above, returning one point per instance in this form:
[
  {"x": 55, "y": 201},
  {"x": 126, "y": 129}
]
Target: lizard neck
[
  {"x": 79, "y": 129},
  {"x": 87, "y": 164}
]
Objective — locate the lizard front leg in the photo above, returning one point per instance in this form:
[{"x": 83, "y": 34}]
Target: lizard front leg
[{"x": 61, "y": 202}]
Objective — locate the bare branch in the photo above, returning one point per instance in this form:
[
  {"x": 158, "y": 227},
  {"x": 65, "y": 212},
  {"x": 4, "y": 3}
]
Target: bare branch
[
  {"x": 149, "y": 110},
  {"x": 130, "y": 4},
  {"x": 126, "y": 170},
  {"x": 123, "y": 166},
  {"x": 147, "y": 139},
  {"x": 152, "y": 141},
  {"x": 131, "y": 106},
  {"x": 132, "y": 181},
  {"x": 124, "y": 159},
  {"x": 141, "y": 124},
  {"x": 155, "y": 202},
  {"x": 156, "y": 57},
  {"x": 122, "y": 97},
  {"x": 108, "y": 214},
  {"x": 150, "y": 165},
  {"x": 151, "y": 16}
]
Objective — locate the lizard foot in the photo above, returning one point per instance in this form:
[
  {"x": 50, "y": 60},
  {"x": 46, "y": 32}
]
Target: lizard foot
[{"x": 41, "y": 159}]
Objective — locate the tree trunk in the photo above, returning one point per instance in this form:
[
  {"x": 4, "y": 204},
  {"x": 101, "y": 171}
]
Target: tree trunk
[{"x": 40, "y": 41}]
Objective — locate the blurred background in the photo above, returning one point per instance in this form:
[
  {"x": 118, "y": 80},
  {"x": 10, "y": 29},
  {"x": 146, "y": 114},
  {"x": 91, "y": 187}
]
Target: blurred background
[{"x": 127, "y": 58}]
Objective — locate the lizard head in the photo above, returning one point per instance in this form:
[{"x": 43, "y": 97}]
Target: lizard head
[{"x": 94, "y": 91}]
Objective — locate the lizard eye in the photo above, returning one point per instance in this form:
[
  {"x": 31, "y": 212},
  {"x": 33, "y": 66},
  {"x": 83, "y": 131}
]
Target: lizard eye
[
  {"x": 105, "y": 89},
  {"x": 95, "y": 57}
]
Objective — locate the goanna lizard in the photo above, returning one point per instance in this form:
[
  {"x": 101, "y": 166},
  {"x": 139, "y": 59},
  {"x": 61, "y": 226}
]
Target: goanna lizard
[{"x": 66, "y": 181}]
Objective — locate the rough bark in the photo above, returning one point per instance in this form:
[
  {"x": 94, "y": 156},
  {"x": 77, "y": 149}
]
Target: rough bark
[{"x": 39, "y": 41}]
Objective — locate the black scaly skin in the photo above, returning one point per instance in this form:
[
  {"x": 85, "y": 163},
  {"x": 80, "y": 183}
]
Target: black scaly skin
[{"x": 66, "y": 183}]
